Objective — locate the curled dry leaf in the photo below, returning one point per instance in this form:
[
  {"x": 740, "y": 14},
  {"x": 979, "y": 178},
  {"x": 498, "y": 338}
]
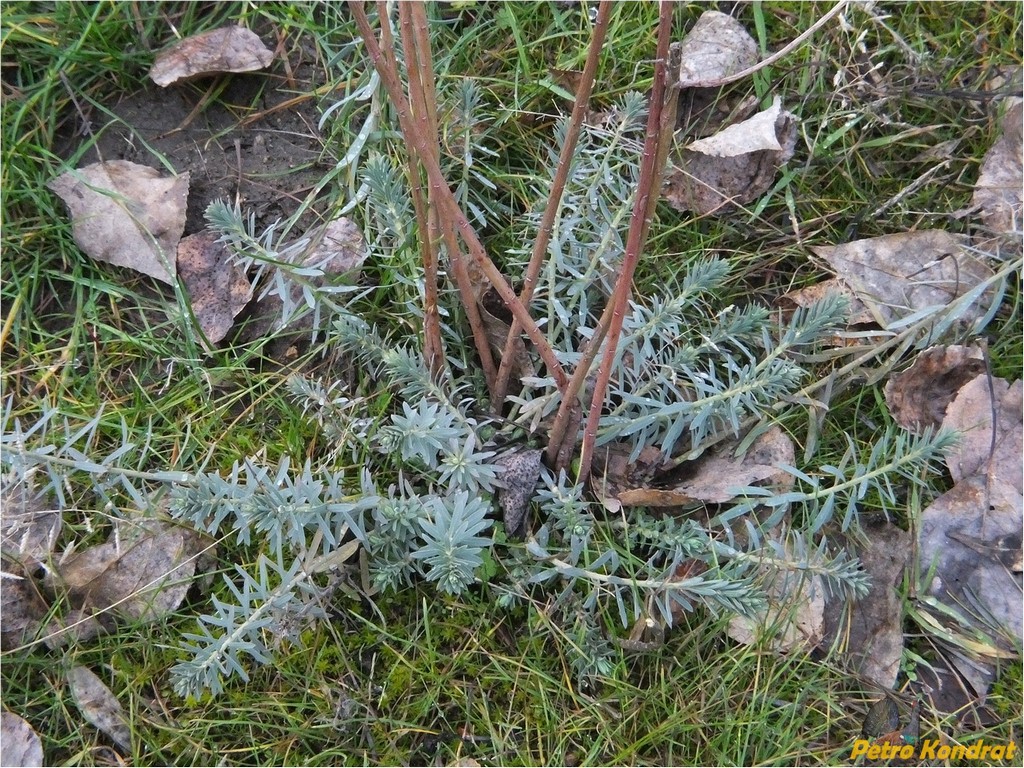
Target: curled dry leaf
[
  {"x": 217, "y": 287},
  {"x": 897, "y": 275},
  {"x": 759, "y": 133},
  {"x": 717, "y": 476},
  {"x": 229, "y": 49},
  {"x": 971, "y": 414},
  {"x": 143, "y": 574},
  {"x": 918, "y": 397},
  {"x": 998, "y": 191},
  {"x": 518, "y": 482},
  {"x": 734, "y": 166},
  {"x": 99, "y": 706},
  {"x": 20, "y": 746},
  {"x": 869, "y": 632},
  {"x": 126, "y": 214}
]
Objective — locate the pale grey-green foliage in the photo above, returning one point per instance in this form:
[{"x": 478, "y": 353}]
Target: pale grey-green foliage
[
  {"x": 259, "y": 608},
  {"x": 686, "y": 371},
  {"x": 452, "y": 549}
]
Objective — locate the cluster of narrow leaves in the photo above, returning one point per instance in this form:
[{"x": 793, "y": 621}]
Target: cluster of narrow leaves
[{"x": 691, "y": 383}]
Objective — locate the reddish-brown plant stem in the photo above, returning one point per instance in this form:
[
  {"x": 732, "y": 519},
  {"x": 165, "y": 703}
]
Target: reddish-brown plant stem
[
  {"x": 660, "y": 120},
  {"x": 442, "y": 224},
  {"x": 643, "y": 211},
  {"x": 450, "y": 207},
  {"x": 421, "y": 92},
  {"x": 540, "y": 245}
]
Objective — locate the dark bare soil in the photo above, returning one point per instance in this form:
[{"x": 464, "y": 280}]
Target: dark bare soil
[{"x": 249, "y": 139}]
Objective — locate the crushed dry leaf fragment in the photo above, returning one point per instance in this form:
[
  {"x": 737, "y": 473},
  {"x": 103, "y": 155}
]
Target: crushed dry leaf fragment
[
  {"x": 99, "y": 706},
  {"x": 218, "y": 289},
  {"x": 228, "y": 49},
  {"x": 20, "y": 746}
]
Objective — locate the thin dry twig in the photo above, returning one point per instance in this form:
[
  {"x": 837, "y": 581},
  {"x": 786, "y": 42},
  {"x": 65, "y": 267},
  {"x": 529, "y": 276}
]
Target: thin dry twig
[
  {"x": 442, "y": 193},
  {"x": 540, "y": 245},
  {"x": 785, "y": 51},
  {"x": 659, "y": 133},
  {"x": 421, "y": 96}
]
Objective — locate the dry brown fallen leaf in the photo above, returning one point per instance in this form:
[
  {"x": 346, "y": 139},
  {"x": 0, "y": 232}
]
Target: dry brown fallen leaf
[
  {"x": 497, "y": 320},
  {"x": 918, "y": 397},
  {"x": 715, "y": 477},
  {"x": 217, "y": 287},
  {"x": 20, "y": 746},
  {"x": 126, "y": 214},
  {"x": 998, "y": 191},
  {"x": 717, "y": 46},
  {"x": 810, "y": 295},
  {"x": 856, "y": 314},
  {"x": 794, "y": 618},
  {"x": 229, "y": 49},
  {"x": 143, "y": 572},
  {"x": 29, "y": 525},
  {"x": 971, "y": 535},
  {"x": 99, "y": 706},
  {"x": 734, "y": 166},
  {"x": 971, "y": 414},
  {"x": 897, "y": 275},
  {"x": 869, "y": 632},
  {"x": 22, "y": 607},
  {"x": 518, "y": 482},
  {"x": 338, "y": 248},
  {"x": 76, "y": 628}
]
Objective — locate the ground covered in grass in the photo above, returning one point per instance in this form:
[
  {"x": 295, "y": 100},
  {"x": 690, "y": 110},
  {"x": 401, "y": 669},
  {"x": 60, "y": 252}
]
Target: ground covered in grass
[{"x": 897, "y": 107}]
